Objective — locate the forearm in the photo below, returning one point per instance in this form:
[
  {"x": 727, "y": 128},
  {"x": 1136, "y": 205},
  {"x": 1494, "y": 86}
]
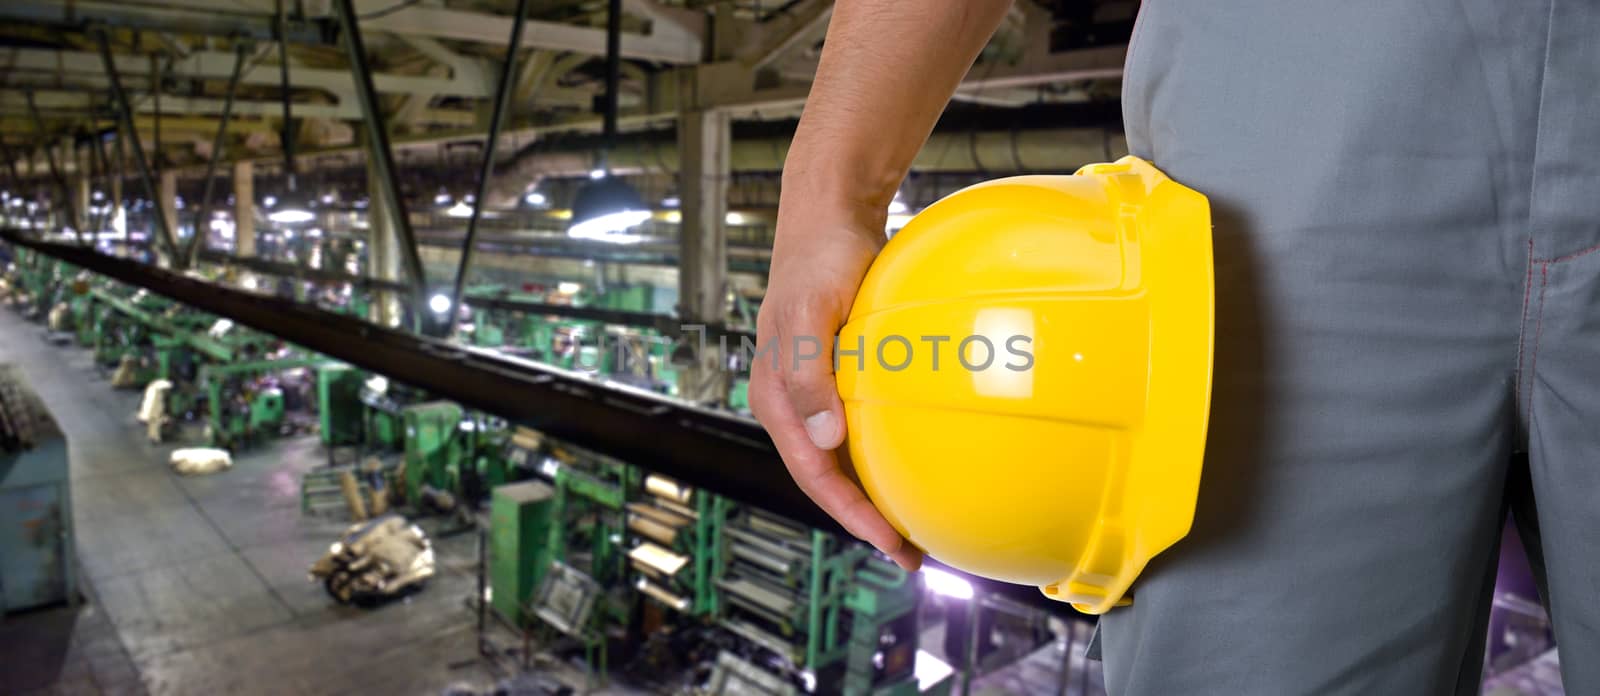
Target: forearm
[{"x": 888, "y": 68}]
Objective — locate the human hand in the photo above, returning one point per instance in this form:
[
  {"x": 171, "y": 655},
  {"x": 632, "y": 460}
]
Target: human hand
[{"x": 816, "y": 270}]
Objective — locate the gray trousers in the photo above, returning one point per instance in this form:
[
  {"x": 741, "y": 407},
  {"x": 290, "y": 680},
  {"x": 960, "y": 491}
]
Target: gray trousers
[{"x": 1406, "y": 198}]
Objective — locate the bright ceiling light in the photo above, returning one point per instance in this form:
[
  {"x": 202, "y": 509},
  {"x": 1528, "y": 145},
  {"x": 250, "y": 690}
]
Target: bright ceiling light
[
  {"x": 292, "y": 216},
  {"x": 604, "y": 209},
  {"x": 443, "y": 199},
  {"x": 439, "y": 303},
  {"x": 609, "y": 227},
  {"x": 535, "y": 199},
  {"x": 945, "y": 583},
  {"x": 269, "y": 201},
  {"x": 597, "y": 174},
  {"x": 459, "y": 210},
  {"x": 567, "y": 288},
  {"x": 294, "y": 211},
  {"x": 733, "y": 218}
]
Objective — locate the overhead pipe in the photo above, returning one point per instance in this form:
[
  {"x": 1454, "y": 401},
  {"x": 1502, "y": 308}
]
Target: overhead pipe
[{"x": 990, "y": 151}]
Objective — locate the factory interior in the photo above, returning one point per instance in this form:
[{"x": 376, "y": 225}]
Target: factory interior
[{"x": 371, "y": 346}]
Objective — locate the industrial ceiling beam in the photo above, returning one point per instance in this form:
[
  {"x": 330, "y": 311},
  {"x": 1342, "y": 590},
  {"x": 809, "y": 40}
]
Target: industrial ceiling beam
[
  {"x": 83, "y": 67},
  {"x": 381, "y": 154},
  {"x": 218, "y": 145},
  {"x": 76, "y": 14},
  {"x": 802, "y": 28},
  {"x": 497, "y": 118},
  {"x": 668, "y": 42},
  {"x": 63, "y": 192},
  {"x": 124, "y": 111},
  {"x": 319, "y": 276}
]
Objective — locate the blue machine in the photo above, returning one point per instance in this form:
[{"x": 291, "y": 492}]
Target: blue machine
[{"x": 36, "y": 540}]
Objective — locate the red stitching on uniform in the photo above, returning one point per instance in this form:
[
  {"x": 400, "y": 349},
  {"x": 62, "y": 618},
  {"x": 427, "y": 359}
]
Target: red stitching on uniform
[
  {"x": 1522, "y": 339},
  {"x": 1573, "y": 255},
  {"x": 1533, "y": 361}
]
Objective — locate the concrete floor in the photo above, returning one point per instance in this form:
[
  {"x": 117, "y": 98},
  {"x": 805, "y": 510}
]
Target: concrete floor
[{"x": 198, "y": 585}]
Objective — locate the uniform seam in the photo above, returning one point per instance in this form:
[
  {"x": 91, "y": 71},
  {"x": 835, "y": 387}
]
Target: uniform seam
[
  {"x": 1522, "y": 329},
  {"x": 1538, "y": 334},
  {"x": 1574, "y": 255}
]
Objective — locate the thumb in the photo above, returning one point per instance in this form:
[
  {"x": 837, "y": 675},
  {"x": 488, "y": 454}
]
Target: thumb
[{"x": 810, "y": 386}]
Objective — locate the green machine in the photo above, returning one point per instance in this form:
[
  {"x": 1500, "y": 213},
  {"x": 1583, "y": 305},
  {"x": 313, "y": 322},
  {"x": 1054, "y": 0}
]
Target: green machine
[
  {"x": 382, "y": 424},
  {"x": 591, "y": 512},
  {"x": 453, "y": 450},
  {"x": 520, "y": 519},
  {"x": 431, "y": 446},
  {"x": 829, "y": 606},
  {"x": 339, "y": 408},
  {"x": 582, "y": 513},
  {"x": 125, "y": 326},
  {"x": 242, "y": 410}
]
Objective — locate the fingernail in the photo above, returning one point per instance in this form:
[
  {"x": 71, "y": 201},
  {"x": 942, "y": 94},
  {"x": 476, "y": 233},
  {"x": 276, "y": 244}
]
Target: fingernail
[{"x": 823, "y": 429}]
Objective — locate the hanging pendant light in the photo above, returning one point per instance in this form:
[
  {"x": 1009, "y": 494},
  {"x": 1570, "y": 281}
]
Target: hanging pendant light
[
  {"x": 606, "y": 206},
  {"x": 294, "y": 208}
]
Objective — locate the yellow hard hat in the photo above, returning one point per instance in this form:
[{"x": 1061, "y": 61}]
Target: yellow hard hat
[{"x": 1026, "y": 374}]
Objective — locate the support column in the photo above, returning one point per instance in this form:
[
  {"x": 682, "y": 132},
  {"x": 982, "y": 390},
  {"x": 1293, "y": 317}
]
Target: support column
[
  {"x": 81, "y": 186},
  {"x": 704, "y": 139},
  {"x": 383, "y": 253},
  {"x": 167, "y": 198},
  {"x": 119, "y": 212},
  {"x": 244, "y": 209}
]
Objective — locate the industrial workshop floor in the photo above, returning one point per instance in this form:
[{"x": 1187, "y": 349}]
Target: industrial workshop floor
[{"x": 198, "y": 585}]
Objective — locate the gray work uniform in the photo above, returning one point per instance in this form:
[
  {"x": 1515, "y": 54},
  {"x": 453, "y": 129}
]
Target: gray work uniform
[{"x": 1406, "y": 199}]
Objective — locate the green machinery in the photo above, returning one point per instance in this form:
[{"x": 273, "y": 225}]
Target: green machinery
[
  {"x": 124, "y": 329},
  {"x": 244, "y": 403},
  {"x": 381, "y": 424},
  {"x": 430, "y": 445},
  {"x": 554, "y": 563},
  {"x": 831, "y": 609},
  {"x": 85, "y": 310},
  {"x": 450, "y": 449},
  {"x": 339, "y": 408},
  {"x": 38, "y": 283},
  {"x": 638, "y": 357},
  {"x": 521, "y": 516}
]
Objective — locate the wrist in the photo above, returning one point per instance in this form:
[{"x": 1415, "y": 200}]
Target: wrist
[{"x": 842, "y": 177}]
